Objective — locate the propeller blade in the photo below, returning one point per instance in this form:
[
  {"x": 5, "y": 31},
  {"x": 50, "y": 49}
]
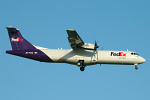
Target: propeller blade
[{"x": 96, "y": 46}]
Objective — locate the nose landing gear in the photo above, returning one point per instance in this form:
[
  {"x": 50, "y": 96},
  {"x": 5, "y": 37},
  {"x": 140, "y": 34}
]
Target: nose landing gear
[
  {"x": 82, "y": 69},
  {"x": 136, "y": 66},
  {"x": 80, "y": 63}
]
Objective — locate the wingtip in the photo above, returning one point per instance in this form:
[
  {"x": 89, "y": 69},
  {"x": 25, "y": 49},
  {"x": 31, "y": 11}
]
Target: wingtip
[{"x": 70, "y": 30}]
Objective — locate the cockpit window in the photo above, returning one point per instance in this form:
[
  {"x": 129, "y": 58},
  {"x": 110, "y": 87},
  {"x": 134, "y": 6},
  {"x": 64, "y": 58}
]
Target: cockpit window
[{"x": 133, "y": 53}]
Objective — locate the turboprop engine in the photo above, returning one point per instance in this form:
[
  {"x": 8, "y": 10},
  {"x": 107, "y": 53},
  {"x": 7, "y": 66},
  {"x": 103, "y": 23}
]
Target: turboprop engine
[{"x": 89, "y": 46}]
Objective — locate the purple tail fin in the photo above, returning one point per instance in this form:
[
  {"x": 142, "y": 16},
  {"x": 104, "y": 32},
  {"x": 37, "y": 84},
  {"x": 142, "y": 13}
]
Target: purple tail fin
[{"x": 17, "y": 41}]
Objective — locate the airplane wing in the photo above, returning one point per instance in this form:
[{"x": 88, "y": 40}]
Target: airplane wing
[{"x": 74, "y": 39}]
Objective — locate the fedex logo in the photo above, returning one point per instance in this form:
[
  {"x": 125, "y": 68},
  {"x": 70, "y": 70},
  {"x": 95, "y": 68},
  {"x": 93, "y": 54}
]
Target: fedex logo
[
  {"x": 16, "y": 40},
  {"x": 118, "y": 54}
]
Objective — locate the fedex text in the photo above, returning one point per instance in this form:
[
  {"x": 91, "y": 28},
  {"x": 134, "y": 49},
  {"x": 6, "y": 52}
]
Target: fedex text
[
  {"x": 16, "y": 40},
  {"x": 118, "y": 54}
]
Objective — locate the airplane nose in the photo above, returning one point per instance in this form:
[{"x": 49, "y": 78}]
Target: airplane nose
[{"x": 143, "y": 60}]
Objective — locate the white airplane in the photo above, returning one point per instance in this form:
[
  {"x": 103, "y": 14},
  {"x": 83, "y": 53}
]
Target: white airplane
[{"x": 82, "y": 54}]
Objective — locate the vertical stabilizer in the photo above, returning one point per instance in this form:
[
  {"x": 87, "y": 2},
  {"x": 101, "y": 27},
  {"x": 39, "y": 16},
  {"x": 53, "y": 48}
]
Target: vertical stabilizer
[{"x": 17, "y": 41}]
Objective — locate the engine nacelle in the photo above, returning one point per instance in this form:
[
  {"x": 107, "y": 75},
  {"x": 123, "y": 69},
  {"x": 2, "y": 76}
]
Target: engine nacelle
[{"x": 88, "y": 46}]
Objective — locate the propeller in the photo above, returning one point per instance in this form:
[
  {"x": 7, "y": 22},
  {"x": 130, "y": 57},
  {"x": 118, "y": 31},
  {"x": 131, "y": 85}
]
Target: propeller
[{"x": 96, "y": 46}]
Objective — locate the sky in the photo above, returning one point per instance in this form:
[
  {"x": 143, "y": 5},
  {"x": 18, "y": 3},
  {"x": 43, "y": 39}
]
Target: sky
[{"x": 114, "y": 24}]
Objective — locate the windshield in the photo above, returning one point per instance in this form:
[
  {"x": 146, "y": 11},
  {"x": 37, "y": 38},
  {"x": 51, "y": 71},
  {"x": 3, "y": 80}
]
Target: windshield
[{"x": 133, "y": 53}]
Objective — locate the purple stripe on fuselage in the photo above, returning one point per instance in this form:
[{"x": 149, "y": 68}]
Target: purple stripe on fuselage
[{"x": 31, "y": 54}]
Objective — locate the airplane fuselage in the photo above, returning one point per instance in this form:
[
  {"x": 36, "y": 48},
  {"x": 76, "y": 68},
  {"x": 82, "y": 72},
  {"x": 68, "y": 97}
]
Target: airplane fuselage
[
  {"x": 90, "y": 57},
  {"x": 93, "y": 57}
]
